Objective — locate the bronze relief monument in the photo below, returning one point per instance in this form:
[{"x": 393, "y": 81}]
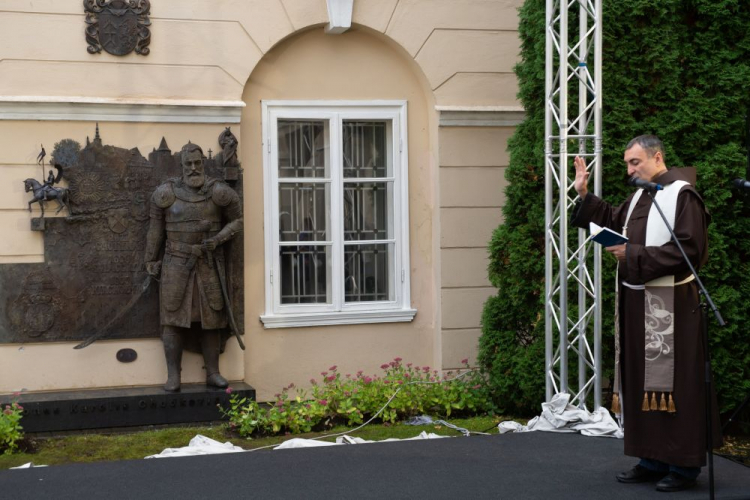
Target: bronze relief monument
[{"x": 147, "y": 248}]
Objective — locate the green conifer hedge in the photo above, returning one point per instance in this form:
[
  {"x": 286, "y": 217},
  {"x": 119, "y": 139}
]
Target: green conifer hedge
[{"x": 679, "y": 69}]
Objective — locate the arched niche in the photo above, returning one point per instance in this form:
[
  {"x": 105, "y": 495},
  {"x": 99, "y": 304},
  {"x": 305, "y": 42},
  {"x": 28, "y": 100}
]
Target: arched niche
[{"x": 358, "y": 65}]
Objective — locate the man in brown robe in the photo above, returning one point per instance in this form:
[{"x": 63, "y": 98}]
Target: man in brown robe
[{"x": 671, "y": 445}]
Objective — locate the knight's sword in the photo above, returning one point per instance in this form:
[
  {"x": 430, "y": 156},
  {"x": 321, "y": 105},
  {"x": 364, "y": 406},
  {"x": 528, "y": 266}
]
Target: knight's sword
[
  {"x": 227, "y": 304},
  {"x": 99, "y": 334}
]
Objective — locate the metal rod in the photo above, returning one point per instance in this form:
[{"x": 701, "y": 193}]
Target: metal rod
[{"x": 548, "y": 274}]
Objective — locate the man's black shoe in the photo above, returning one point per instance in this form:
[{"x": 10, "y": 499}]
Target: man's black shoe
[
  {"x": 675, "y": 482},
  {"x": 639, "y": 474}
]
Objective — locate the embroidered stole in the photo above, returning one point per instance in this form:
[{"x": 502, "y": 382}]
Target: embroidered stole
[{"x": 659, "y": 309}]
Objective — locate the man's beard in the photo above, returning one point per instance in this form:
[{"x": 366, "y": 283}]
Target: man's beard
[{"x": 195, "y": 181}]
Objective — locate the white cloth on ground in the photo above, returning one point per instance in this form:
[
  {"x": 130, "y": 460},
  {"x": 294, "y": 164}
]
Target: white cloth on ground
[
  {"x": 310, "y": 443},
  {"x": 559, "y": 416},
  {"x": 199, "y": 445},
  {"x": 27, "y": 465}
]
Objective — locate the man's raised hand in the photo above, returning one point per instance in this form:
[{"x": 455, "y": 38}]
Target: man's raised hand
[{"x": 582, "y": 177}]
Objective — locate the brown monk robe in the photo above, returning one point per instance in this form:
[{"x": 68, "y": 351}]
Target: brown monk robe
[{"x": 677, "y": 438}]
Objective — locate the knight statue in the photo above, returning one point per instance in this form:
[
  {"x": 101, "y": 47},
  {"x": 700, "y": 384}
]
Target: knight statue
[{"x": 196, "y": 215}]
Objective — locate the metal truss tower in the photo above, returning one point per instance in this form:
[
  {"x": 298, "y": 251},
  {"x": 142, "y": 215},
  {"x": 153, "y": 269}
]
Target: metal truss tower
[{"x": 573, "y": 127}]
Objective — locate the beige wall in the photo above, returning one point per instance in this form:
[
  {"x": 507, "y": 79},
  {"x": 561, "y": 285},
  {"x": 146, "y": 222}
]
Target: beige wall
[
  {"x": 472, "y": 185},
  {"x": 203, "y": 49},
  {"x": 206, "y": 58}
]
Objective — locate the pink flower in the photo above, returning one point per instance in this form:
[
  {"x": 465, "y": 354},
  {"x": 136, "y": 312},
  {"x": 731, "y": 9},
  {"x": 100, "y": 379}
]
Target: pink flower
[
  {"x": 408, "y": 365},
  {"x": 368, "y": 380},
  {"x": 7, "y": 411},
  {"x": 313, "y": 381},
  {"x": 384, "y": 366},
  {"x": 333, "y": 368},
  {"x": 19, "y": 407},
  {"x": 359, "y": 373},
  {"x": 229, "y": 390},
  {"x": 397, "y": 360},
  {"x": 279, "y": 403},
  {"x": 392, "y": 364},
  {"x": 426, "y": 369},
  {"x": 478, "y": 386},
  {"x": 323, "y": 402},
  {"x": 465, "y": 361},
  {"x": 323, "y": 374},
  {"x": 348, "y": 375},
  {"x": 291, "y": 386},
  {"x": 330, "y": 378}
]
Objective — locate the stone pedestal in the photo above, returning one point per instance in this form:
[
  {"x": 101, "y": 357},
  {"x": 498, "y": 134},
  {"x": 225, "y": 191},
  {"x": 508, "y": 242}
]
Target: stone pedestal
[{"x": 124, "y": 407}]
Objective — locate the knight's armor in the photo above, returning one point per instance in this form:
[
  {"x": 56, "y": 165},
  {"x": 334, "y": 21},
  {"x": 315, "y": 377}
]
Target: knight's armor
[
  {"x": 48, "y": 185},
  {"x": 190, "y": 290}
]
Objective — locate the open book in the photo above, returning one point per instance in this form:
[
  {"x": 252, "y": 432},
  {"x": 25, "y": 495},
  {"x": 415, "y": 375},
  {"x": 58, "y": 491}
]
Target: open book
[{"x": 605, "y": 236}]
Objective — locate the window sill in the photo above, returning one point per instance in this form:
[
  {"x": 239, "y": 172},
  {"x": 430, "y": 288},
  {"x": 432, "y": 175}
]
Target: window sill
[{"x": 337, "y": 318}]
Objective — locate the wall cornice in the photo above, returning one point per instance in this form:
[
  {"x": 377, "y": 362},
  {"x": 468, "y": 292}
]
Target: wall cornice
[
  {"x": 480, "y": 116},
  {"x": 119, "y": 110}
]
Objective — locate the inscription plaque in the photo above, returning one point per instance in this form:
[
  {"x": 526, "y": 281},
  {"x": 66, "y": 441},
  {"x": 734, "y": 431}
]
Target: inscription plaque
[
  {"x": 135, "y": 406},
  {"x": 126, "y": 355}
]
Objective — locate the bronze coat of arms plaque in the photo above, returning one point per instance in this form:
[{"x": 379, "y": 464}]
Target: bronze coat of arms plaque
[{"x": 118, "y": 26}]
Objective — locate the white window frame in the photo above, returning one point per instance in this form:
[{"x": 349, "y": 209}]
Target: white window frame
[{"x": 279, "y": 315}]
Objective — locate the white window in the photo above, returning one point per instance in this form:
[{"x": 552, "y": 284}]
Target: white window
[{"x": 336, "y": 213}]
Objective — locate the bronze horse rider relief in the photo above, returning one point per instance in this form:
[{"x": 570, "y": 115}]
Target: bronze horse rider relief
[{"x": 47, "y": 191}]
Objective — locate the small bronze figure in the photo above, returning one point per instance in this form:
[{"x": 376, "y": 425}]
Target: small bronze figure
[
  {"x": 46, "y": 191},
  {"x": 40, "y": 157},
  {"x": 196, "y": 215},
  {"x": 228, "y": 143}
]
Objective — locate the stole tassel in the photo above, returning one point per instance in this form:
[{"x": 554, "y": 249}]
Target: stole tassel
[
  {"x": 644, "y": 406},
  {"x": 672, "y": 408},
  {"x": 662, "y": 403},
  {"x": 616, "y": 403},
  {"x": 654, "y": 406}
]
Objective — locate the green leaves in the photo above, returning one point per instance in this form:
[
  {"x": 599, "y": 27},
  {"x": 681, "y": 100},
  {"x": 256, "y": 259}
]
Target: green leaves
[
  {"x": 411, "y": 390},
  {"x": 678, "y": 69},
  {"x": 11, "y": 431}
]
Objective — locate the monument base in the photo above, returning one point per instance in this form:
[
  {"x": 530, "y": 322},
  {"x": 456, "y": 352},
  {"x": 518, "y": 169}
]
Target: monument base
[{"x": 124, "y": 407}]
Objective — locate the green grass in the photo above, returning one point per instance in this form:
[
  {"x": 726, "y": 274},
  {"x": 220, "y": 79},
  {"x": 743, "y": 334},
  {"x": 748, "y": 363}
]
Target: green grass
[
  {"x": 83, "y": 448},
  {"x": 95, "y": 447}
]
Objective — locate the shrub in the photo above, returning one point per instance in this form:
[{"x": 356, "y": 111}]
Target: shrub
[
  {"x": 11, "y": 431},
  {"x": 675, "y": 68},
  {"x": 352, "y": 399}
]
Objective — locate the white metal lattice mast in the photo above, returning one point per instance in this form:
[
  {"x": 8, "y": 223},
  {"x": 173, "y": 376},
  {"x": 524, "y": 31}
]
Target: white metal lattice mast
[{"x": 572, "y": 268}]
